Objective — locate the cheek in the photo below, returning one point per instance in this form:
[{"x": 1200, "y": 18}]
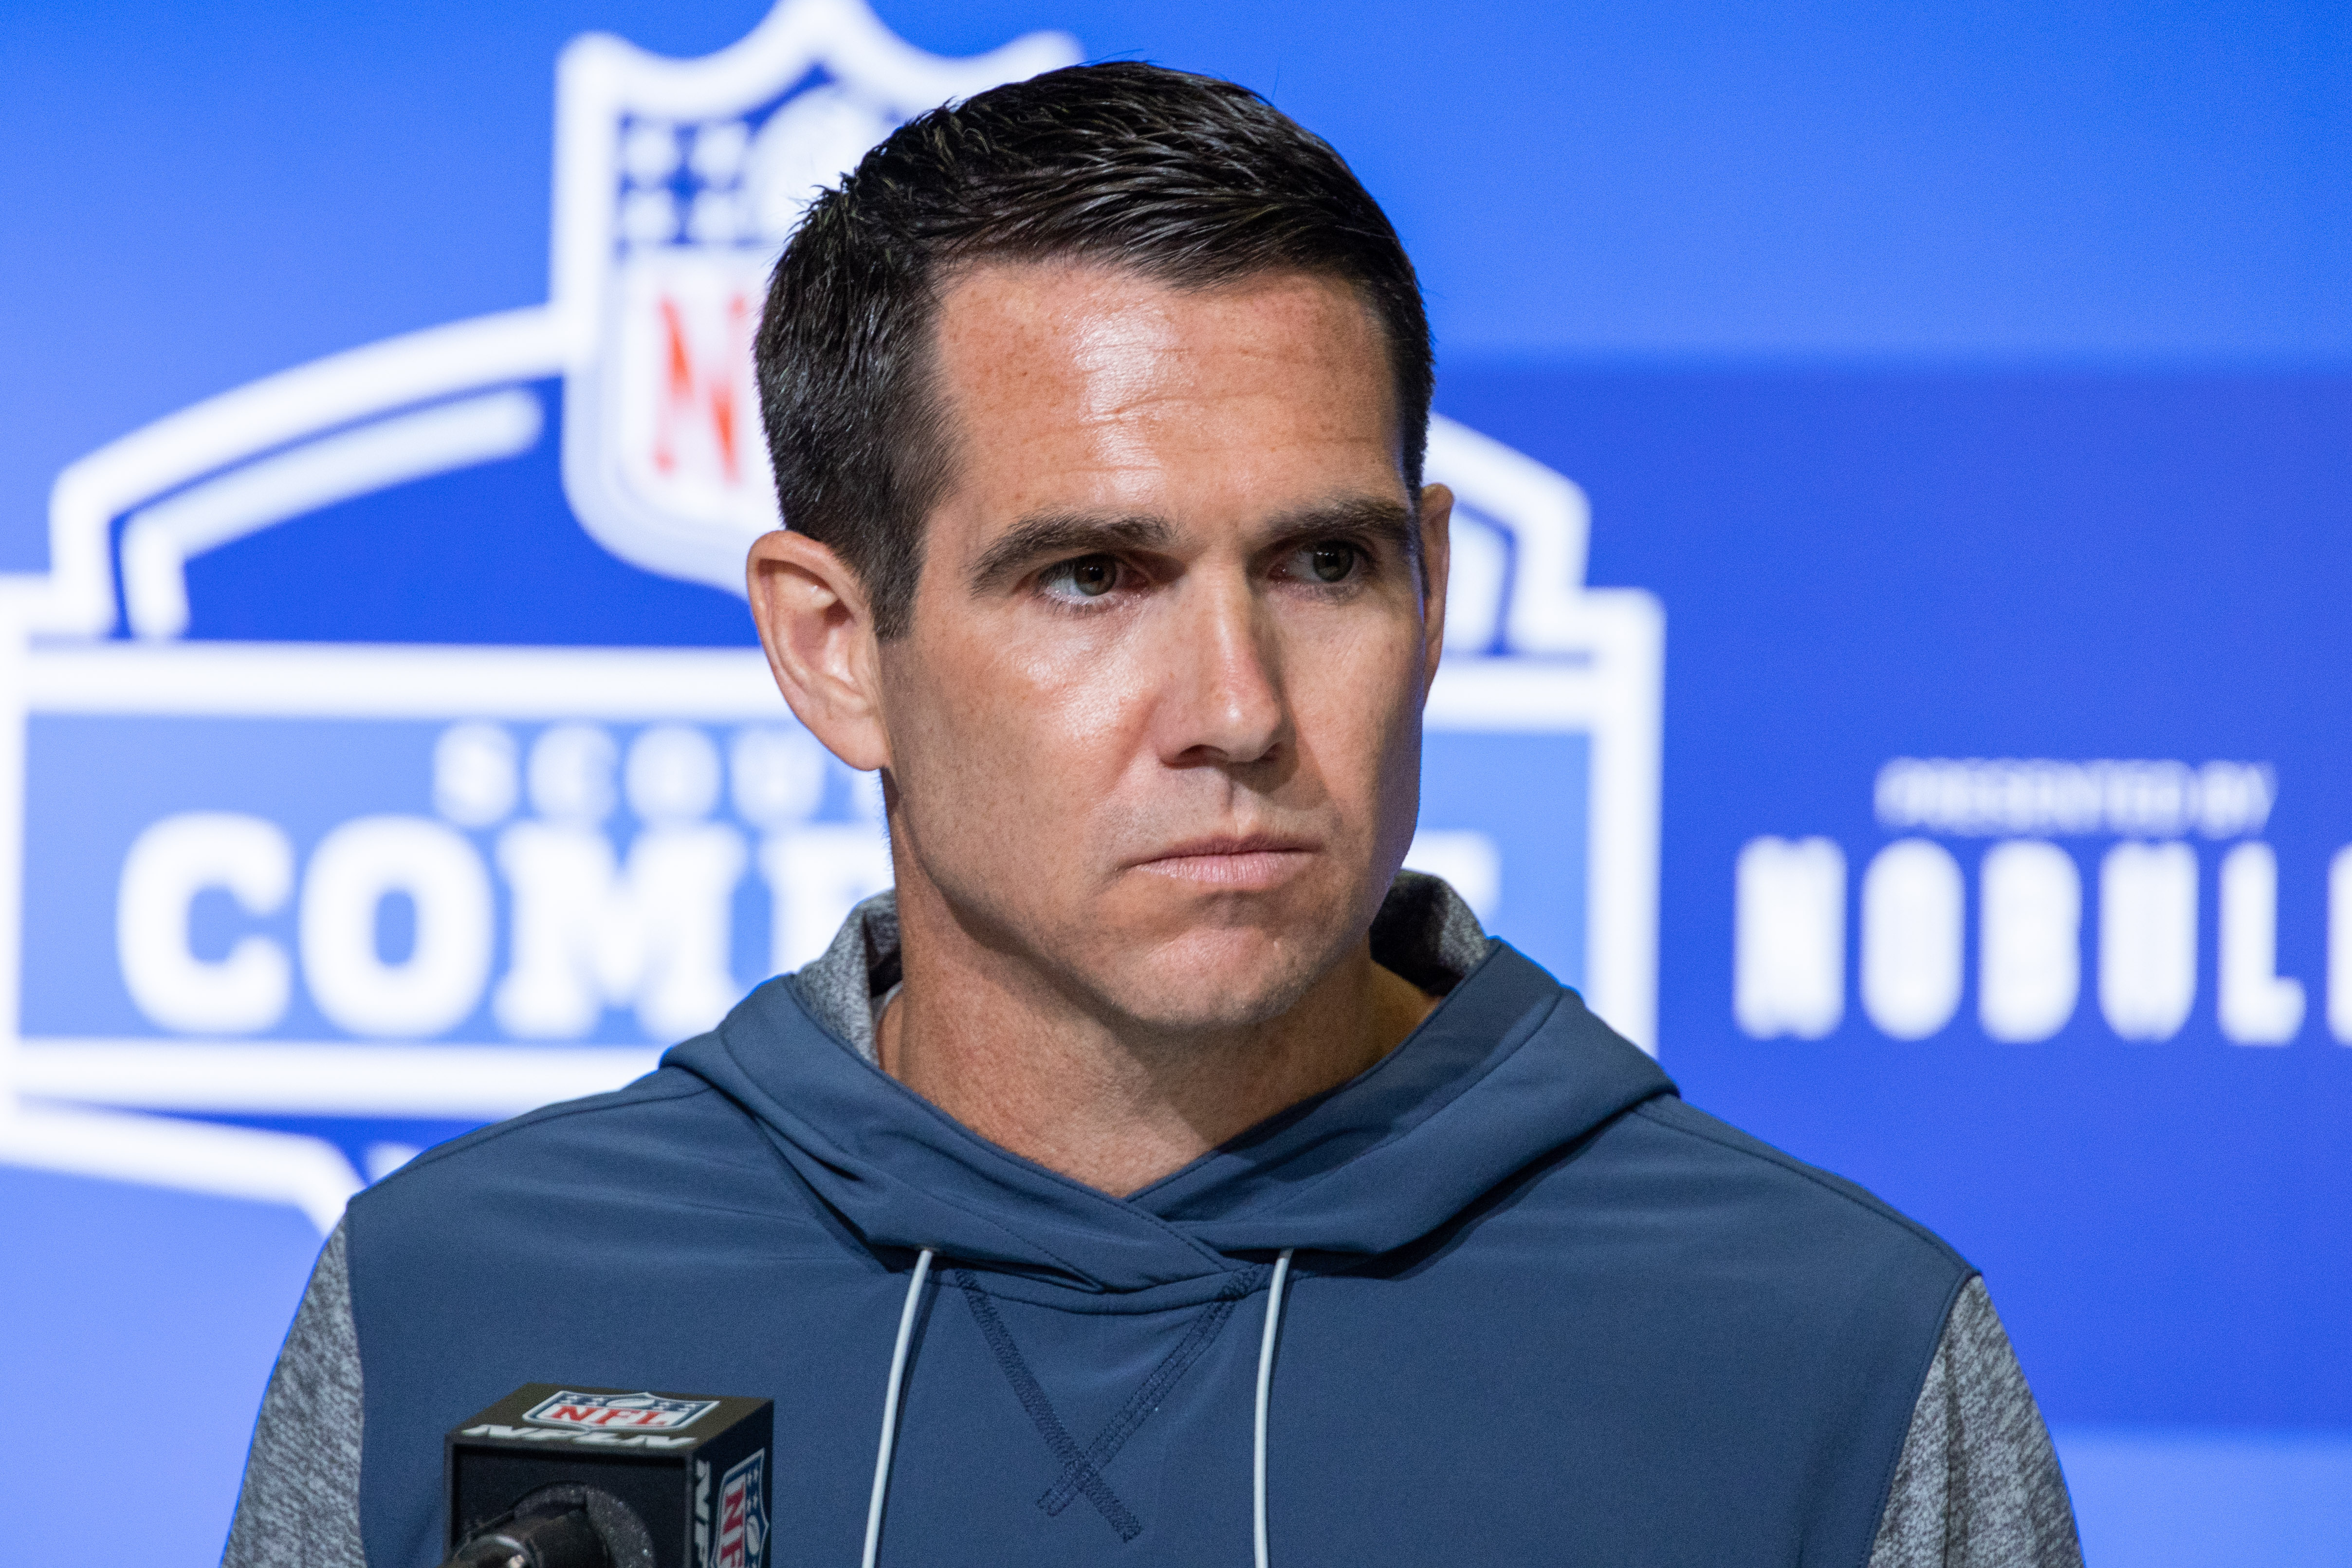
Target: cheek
[
  {"x": 1357, "y": 702},
  {"x": 1068, "y": 711},
  {"x": 1011, "y": 738}
]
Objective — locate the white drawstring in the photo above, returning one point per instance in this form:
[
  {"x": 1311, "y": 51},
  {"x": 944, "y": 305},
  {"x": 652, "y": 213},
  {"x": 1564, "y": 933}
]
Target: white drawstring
[
  {"x": 1264, "y": 1390},
  {"x": 890, "y": 1411},
  {"x": 898, "y": 1378}
]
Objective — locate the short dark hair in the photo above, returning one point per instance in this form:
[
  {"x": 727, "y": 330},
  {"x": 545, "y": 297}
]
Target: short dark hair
[{"x": 1178, "y": 177}]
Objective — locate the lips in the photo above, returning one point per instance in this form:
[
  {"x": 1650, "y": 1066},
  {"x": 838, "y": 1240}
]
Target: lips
[{"x": 1243, "y": 862}]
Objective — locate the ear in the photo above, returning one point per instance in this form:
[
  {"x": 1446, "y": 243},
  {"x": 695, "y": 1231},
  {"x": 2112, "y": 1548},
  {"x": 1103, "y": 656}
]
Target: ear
[
  {"x": 1437, "y": 562},
  {"x": 818, "y": 631}
]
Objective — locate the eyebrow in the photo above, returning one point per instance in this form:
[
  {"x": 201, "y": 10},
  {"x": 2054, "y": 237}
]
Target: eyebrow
[
  {"x": 1064, "y": 535},
  {"x": 1372, "y": 518}
]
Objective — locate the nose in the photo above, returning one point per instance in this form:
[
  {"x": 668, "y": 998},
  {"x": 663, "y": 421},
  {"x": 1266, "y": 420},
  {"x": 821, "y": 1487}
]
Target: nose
[{"x": 1222, "y": 699}]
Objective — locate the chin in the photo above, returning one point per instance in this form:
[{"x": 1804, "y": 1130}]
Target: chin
[{"x": 1217, "y": 978}]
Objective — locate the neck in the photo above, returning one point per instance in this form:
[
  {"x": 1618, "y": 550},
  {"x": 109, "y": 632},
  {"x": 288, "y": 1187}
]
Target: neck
[{"x": 990, "y": 1041}]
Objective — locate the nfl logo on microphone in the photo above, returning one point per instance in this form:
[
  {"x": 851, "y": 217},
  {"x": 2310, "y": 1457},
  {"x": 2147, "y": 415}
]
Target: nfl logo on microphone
[
  {"x": 389, "y": 750},
  {"x": 744, "y": 1515},
  {"x": 619, "y": 1412}
]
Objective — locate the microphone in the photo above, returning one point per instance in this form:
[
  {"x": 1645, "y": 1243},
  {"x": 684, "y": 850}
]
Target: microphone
[{"x": 555, "y": 1475}]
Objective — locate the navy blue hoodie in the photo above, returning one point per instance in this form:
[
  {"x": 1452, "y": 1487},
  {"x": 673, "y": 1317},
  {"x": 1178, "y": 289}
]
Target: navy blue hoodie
[{"x": 1541, "y": 1311}]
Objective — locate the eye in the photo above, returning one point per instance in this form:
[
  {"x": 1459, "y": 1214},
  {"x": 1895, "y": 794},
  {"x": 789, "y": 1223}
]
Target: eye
[
  {"x": 1088, "y": 577},
  {"x": 1330, "y": 562}
]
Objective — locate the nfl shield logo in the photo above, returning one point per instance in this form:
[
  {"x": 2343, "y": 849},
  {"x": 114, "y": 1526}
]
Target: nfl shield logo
[
  {"x": 677, "y": 184},
  {"x": 744, "y": 1515},
  {"x": 619, "y": 1412}
]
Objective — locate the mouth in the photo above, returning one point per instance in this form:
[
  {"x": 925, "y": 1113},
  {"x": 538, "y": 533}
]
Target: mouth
[{"x": 1243, "y": 862}]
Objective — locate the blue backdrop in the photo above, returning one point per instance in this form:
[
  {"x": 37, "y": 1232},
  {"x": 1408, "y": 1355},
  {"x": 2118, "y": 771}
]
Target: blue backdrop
[{"x": 1968, "y": 385}]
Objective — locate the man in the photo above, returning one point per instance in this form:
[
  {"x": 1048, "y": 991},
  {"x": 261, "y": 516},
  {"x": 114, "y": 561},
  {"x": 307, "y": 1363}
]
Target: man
[{"x": 1160, "y": 1175}]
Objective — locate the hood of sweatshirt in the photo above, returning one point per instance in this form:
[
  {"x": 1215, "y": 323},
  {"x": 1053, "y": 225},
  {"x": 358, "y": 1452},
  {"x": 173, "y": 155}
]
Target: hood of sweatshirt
[{"x": 1509, "y": 1069}]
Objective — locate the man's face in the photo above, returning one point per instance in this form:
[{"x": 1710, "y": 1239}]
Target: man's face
[{"x": 1156, "y": 723}]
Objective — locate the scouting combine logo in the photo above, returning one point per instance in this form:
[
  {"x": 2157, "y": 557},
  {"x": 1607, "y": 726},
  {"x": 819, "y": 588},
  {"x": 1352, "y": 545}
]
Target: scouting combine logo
[{"x": 384, "y": 753}]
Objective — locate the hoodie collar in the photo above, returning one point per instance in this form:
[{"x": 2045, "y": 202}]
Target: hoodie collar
[{"x": 1509, "y": 1068}]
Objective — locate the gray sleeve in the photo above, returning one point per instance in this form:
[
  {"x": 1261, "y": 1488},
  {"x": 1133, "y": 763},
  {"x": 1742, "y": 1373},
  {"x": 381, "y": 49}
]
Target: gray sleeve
[
  {"x": 1978, "y": 1485},
  {"x": 299, "y": 1507}
]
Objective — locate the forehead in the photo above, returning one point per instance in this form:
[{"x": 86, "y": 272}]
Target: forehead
[{"x": 1073, "y": 385}]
